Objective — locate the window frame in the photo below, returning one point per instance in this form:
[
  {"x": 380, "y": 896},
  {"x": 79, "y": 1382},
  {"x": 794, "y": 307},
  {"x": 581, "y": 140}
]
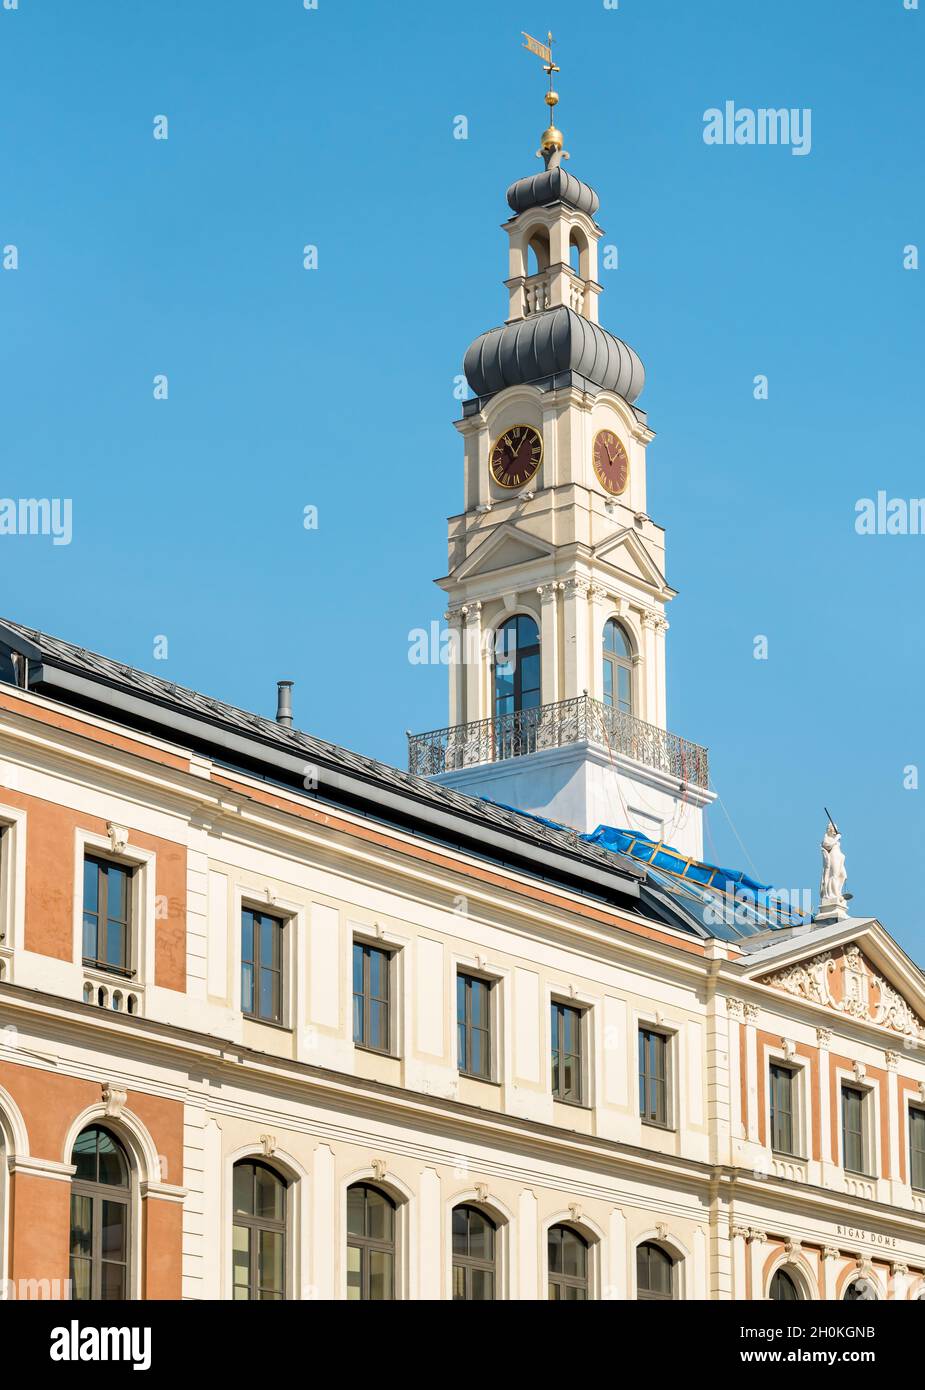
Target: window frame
[
  {"x": 785, "y": 1272},
  {"x": 794, "y": 1074},
  {"x": 916, "y": 1116},
  {"x": 559, "y": 1007},
  {"x": 517, "y": 692},
  {"x": 643, "y": 1076},
  {"x": 103, "y": 862},
  {"x": 96, "y": 1193},
  {"x": 367, "y": 1244},
  {"x": 649, "y": 1295},
  {"x": 282, "y": 922},
  {"x": 617, "y": 662},
  {"x": 390, "y": 953},
  {"x": 567, "y": 1281},
  {"x": 864, "y": 1171},
  {"x": 471, "y": 978},
  {"x": 258, "y": 1224},
  {"x": 472, "y": 1264}
]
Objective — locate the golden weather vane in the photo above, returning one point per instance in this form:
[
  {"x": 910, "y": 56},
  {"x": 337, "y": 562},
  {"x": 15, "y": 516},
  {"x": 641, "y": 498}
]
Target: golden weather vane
[{"x": 550, "y": 150}]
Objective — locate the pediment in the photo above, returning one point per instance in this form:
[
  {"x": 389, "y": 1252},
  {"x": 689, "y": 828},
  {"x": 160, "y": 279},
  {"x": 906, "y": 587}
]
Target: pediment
[
  {"x": 846, "y": 981},
  {"x": 504, "y": 549},
  {"x": 628, "y": 552}
]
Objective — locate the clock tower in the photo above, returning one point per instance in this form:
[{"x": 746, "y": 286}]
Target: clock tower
[{"x": 556, "y": 580}]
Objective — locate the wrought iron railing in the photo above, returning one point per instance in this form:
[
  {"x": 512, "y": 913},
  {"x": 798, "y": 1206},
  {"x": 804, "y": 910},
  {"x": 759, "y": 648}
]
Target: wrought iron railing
[{"x": 554, "y": 726}]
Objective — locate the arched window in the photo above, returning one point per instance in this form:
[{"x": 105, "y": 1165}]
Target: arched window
[
  {"x": 568, "y": 1264},
  {"x": 370, "y": 1243},
  {"x": 475, "y": 1245},
  {"x": 655, "y": 1272},
  {"x": 517, "y": 666},
  {"x": 101, "y": 1234},
  {"x": 784, "y": 1288},
  {"x": 259, "y": 1234},
  {"x": 860, "y": 1291},
  {"x": 618, "y": 668}
]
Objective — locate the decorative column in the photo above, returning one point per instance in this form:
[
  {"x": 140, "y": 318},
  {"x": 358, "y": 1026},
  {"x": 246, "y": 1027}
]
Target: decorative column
[
  {"x": 528, "y": 1246},
  {"x": 892, "y": 1090},
  {"x": 615, "y": 1276},
  {"x": 454, "y": 620},
  {"x": 473, "y": 657},
  {"x": 739, "y": 1237},
  {"x": 751, "y": 1077},
  {"x": 430, "y": 1242},
  {"x": 824, "y": 1039},
  {"x": 576, "y": 638},
  {"x": 661, "y": 698},
  {"x": 899, "y": 1281},
  {"x": 831, "y": 1255},
  {"x": 649, "y": 705},
  {"x": 598, "y": 602},
  {"x": 736, "y": 1012},
  {"x": 549, "y": 642},
  {"x": 756, "y": 1241}
]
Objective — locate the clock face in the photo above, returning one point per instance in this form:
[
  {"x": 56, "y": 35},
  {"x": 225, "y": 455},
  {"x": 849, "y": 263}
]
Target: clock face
[
  {"x": 610, "y": 462},
  {"x": 515, "y": 456}
]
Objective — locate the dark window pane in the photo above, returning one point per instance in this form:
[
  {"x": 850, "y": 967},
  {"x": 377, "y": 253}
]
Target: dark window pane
[
  {"x": 243, "y": 1197},
  {"x": 357, "y": 968},
  {"x": 114, "y": 1230},
  {"x": 356, "y": 1211},
  {"x": 91, "y": 886},
  {"x": 380, "y": 1274},
  {"x": 379, "y": 1213},
  {"x": 81, "y": 1225},
  {"x": 113, "y": 1281},
  {"x": 247, "y": 935}
]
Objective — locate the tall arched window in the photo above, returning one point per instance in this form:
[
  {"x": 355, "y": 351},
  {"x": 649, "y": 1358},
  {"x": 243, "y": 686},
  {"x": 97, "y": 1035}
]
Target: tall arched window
[
  {"x": 618, "y": 668},
  {"x": 568, "y": 1264},
  {"x": 370, "y": 1243},
  {"x": 655, "y": 1272},
  {"x": 517, "y": 666},
  {"x": 100, "y": 1264},
  {"x": 784, "y": 1288},
  {"x": 475, "y": 1245},
  {"x": 259, "y": 1234}
]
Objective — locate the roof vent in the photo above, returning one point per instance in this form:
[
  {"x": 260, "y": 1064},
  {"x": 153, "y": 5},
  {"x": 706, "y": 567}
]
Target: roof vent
[{"x": 284, "y": 703}]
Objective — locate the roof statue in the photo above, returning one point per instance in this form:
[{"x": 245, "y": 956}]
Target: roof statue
[{"x": 833, "y": 905}]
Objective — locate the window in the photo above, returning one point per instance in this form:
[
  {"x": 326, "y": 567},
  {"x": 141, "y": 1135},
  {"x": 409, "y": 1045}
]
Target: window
[
  {"x": 517, "y": 685},
  {"x": 784, "y": 1288},
  {"x": 475, "y": 1241},
  {"x": 618, "y": 668},
  {"x": 370, "y": 1244},
  {"x": 917, "y": 1149},
  {"x": 654, "y": 1272},
  {"x": 852, "y": 1121},
  {"x": 100, "y": 1217},
  {"x": 259, "y": 1234},
  {"x": 371, "y": 970},
  {"x": 261, "y": 966},
  {"x": 566, "y": 1052},
  {"x": 568, "y": 1264},
  {"x": 107, "y": 915},
  {"x": 473, "y": 1026},
  {"x": 782, "y": 1085},
  {"x": 653, "y": 1077}
]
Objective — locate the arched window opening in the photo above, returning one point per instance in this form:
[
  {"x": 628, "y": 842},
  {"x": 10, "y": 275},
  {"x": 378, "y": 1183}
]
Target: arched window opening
[
  {"x": 618, "y": 668},
  {"x": 475, "y": 1244},
  {"x": 655, "y": 1272},
  {"x": 100, "y": 1243},
  {"x": 784, "y": 1288},
  {"x": 860, "y": 1291},
  {"x": 568, "y": 1264},
  {"x": 370, "y": 1244},
  {"x": 259, "y": 1235},
  {"x": 517, "y": 666},
  {"x": 538, "y": 252}
]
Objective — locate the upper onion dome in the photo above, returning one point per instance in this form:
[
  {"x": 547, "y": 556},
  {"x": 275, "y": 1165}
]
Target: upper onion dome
[
  {"x": 552, "y": 186},
  {"x": 545, "y": 344}
]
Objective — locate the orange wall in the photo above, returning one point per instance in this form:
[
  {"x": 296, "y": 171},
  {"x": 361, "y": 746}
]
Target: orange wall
[{"x": 39, "y": 1228}]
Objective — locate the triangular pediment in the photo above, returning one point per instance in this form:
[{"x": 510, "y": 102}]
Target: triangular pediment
[
  {"x": 628, "y": 552},
  {"x": 504, "y": 549},
  {"x": 844, "y": 980}
]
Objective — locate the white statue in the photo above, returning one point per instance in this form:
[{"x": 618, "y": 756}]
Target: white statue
[{"x": 834, "y": 874}]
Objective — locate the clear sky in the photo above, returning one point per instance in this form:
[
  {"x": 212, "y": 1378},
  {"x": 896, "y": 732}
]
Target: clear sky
[{"x": 333, "y": 387}]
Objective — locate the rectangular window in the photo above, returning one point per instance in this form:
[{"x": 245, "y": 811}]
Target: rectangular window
[
  {"x": 473, "y": 1026},
  {"x": 371, "y": 970},
  {"x": 261, "y": 966},
  {"x": 782, "y": 1085},
  {"x": 107, "y": 915},
  {"x": 653, "y": 1077},
  {"x": 852, "y": 1123},
  {"x": 566, "y": 1052},
  {"x": 917, "y": 1149}
]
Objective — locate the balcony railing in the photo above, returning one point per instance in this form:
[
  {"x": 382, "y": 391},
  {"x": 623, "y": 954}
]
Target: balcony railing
[{"x": 555, "y": 726}]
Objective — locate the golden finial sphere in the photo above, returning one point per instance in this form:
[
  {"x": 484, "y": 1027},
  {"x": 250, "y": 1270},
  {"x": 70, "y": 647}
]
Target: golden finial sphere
[
  {"x": 551, "y": 139},
  {"x": 551, "y": 98}
]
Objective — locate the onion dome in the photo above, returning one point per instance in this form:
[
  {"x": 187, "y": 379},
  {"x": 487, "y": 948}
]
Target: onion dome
[
  {"x": 554, "y": 185},
  {"x": 534, "y": 350}
]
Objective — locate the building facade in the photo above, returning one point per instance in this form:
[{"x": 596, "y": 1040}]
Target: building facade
[{"x": 280, "y": 1022}]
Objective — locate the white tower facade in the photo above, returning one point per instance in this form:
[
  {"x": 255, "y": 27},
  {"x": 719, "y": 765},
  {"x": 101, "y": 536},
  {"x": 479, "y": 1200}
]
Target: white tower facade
[{"x": 556, "y": 573}]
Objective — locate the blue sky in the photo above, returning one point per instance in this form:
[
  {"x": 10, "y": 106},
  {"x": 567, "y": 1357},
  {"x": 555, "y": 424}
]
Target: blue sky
[{"x": 333, "y": 388}]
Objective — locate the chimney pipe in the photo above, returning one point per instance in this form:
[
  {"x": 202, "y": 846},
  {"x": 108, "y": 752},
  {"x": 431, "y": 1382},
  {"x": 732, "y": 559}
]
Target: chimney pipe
[{"x": 284, "y": 703}]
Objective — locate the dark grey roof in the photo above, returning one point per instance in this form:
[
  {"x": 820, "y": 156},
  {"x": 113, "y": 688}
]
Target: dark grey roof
[
  {"x": 547, "y": 344},
  {"x": 552, "y": 186}
]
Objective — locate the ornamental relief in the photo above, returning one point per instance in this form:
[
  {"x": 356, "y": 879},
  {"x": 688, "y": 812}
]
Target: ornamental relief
[{"x": 846, "y": 981}]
